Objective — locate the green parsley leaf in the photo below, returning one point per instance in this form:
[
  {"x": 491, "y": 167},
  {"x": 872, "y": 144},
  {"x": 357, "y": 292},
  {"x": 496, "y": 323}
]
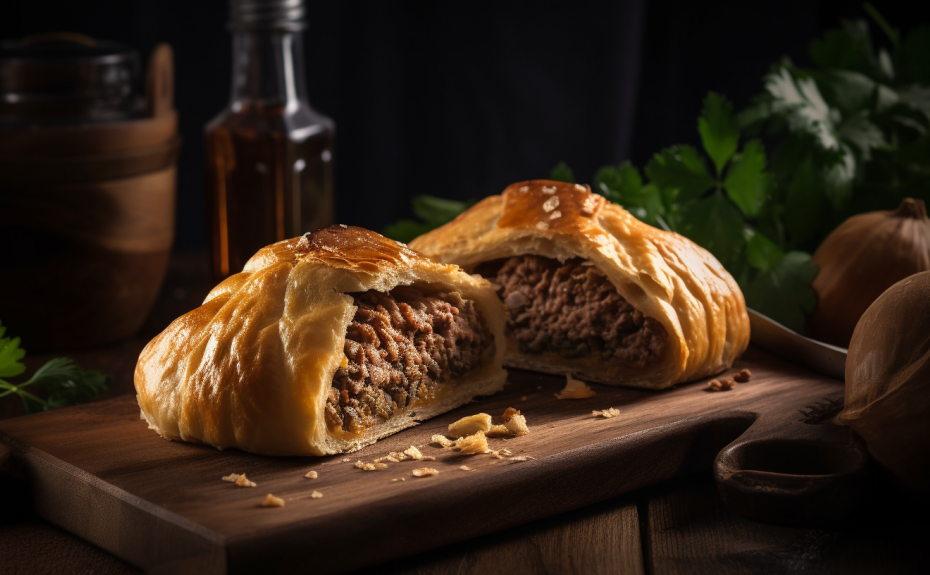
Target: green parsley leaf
[
  {"x": 916, "y": 98},
  {"x": 747, "y": 183},
  {"x": 433, "y": 211},
  {"x": 837, "y": 178},
  {"x": 59, "y": 379},
  {"x": 438, "y": 211},
  {"x": 715, "y": 224},
  {"x": 623, "y": 185},
  {"x": 908, "y": 118},
  {"x": 719, "y": 130},
  {"x": 805, "y": 205},
  {"x": 618, "y": 183},
  {"x": 681, "y": 168},
  {"x": 850, "y": 48},
  {"x": 859, "y": 131},
  {"x": 405, "y": 231},
  {"x": 562, "y": 173},
  {"x": 10, "y": 354},
  {"x": 802, "y": 106},
  {"x": 64, "y": 383},
  {"x": 761, "y": 253},
  {"x": 849, "y": 92},
  {"x": 784, "y": 293}
]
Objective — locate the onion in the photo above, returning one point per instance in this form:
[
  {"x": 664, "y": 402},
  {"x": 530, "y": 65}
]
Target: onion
[
  {"x": 888, "y": 381},
  {"x": 859, "y": 260}
]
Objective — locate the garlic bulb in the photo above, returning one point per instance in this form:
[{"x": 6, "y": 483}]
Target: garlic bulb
[
  {"x": 888, "y": 381},
  {"x": 859, "y": 260}
]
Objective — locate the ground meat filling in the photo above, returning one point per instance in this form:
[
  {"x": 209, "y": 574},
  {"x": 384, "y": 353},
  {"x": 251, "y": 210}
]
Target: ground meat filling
[
  {"x": 400, "y": 346},
  {"x": 572, "y": 309}
]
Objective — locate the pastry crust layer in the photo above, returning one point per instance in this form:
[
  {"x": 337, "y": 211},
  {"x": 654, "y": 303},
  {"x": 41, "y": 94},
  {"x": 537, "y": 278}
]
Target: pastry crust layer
[
  {"x": 251, "y": 368},
  {"x": 664, "y": 275}
]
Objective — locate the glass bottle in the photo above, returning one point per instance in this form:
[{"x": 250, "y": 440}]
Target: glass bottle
[{"x": 269, "y": 155}]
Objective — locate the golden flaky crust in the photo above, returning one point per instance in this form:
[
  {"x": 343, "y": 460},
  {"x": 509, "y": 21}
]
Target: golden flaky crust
[
  {"x": 251, "y": 368},
  {"x": 662, "y": 274}
]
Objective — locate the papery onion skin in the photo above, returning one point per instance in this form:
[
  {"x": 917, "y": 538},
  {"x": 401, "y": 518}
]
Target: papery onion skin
[
  {"x": 859, "y": 260},
  {"x": 888, "y": 381}
]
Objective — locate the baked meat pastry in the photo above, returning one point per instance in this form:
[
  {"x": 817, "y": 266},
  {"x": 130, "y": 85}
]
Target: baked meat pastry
[
  {"x": 323, "y": 344},
  {"x": 593, "y": 291}
]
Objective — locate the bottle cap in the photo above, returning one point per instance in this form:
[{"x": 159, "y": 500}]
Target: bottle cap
[{"x": 267, "y": 14}]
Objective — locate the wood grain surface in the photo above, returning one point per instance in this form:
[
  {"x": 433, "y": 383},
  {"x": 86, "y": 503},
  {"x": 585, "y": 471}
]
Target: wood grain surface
[
  {"x": 687, "y": 531},
  {"x": 100, "y": 473},
  {"x": 599, "y": 539}
]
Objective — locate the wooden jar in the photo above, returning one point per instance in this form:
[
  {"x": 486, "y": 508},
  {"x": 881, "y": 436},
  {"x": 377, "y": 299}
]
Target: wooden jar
[{"x": 87, "y": 221}]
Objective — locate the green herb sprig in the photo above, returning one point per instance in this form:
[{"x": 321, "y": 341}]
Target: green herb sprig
[
  {"x": 853, "y": 133},
  {"x": 433, "y": 212},
  {"x": 717, "y": 196},
  {"x": 59, "y": 380}
]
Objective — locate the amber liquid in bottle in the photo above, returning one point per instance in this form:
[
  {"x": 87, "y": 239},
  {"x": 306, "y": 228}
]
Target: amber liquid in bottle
[{"x": 269, "y": 155}]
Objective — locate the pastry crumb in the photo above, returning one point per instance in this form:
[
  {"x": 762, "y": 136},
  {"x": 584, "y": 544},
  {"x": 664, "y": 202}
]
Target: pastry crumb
[
  {"x": 272, "y": 501},
  {"x": 346, "y": 459},
  {"x": 500, "y": 453},
  {"x": 413, "y": 452},
  {"x": 517, "y": 425},
  {"x": 470, "y": 425},
  {"x": 440, "y": 441},
  {"x": 743, "y": 376},
  {"x": 497, "y": 431},
  {"x": 232, "y": 477},
  {"x": 370, "y": 466},
  {"x": 316, "y": 494},
  {"x": 575, "y": 389},
  {"x": 399, "y": 479},
  {"x": 521, "y": 458},
  {"x": 472, "y": 444},
  {"x": 465, "y": 468},
  {"x": 390, "y": 458},
  {"x": 243, "y": 481},
  {"x": 523, "y": 398},
  {"x": 725, "y": 384},
  {"x": 425, "y": 472},
  {"x": 607, "y": 413},
  {"x": 509, "y": 412},
  {"x": 312, "y": 475}
]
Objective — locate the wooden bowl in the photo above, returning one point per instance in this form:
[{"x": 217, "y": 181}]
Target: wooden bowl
[
  {"x": 77, "y": 139},
  {"x": 33, "y": 170},
  {"x": 89, "y": 259},
  {"x": 88, "y": 214}
]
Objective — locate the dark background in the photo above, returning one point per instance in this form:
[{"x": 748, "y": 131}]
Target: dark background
[{"x": 460, "y": 99}]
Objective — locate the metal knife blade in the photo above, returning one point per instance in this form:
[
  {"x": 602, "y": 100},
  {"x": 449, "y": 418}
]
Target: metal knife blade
[{"x": 821, "y": 357}]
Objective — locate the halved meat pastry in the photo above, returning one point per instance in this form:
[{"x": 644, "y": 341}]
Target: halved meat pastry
[
  {"x": 323, "y": 344},
  {"x": 593, "y": 291}
]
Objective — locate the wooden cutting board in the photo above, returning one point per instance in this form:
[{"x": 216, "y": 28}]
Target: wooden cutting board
[{"x": 97, "y": 471}]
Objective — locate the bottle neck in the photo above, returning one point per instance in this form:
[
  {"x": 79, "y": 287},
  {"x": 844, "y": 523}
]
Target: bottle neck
[{"x": 268, "y": 69}]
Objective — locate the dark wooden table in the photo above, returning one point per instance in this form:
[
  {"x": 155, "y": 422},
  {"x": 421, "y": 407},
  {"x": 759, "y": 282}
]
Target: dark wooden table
[{"x": 678, "y": 527}]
